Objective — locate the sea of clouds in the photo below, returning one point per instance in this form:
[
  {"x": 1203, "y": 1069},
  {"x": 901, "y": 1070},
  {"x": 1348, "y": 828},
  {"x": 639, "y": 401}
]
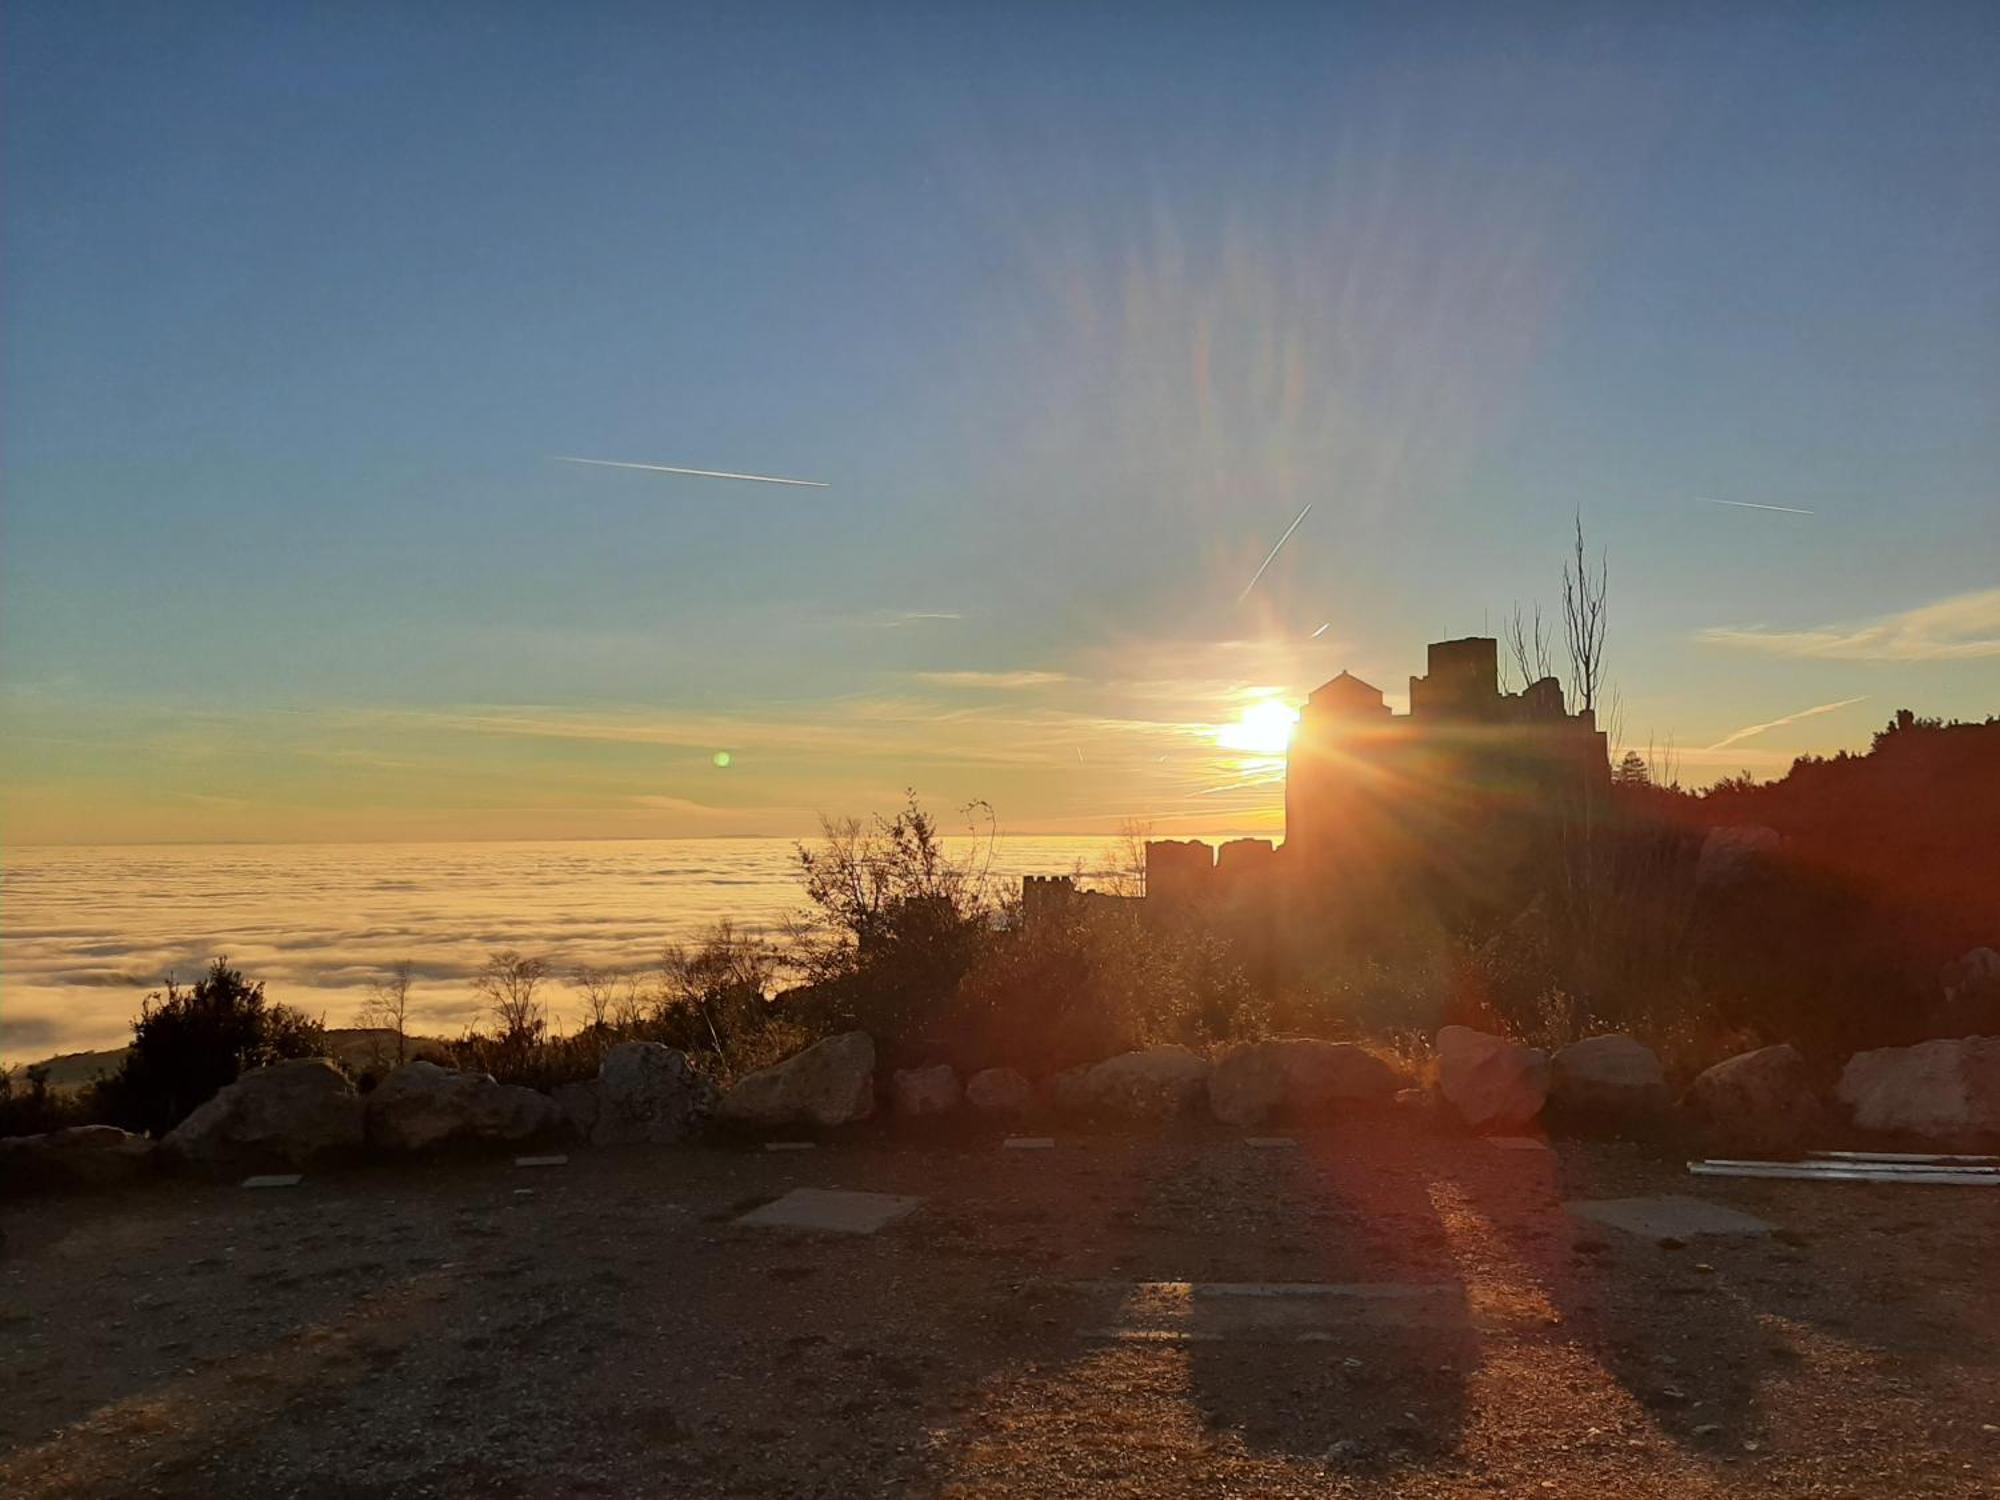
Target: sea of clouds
[{"x": 86, "y": 933}]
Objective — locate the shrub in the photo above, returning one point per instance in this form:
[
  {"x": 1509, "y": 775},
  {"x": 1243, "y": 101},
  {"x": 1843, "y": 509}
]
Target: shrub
[
  {"x": 28, "y": 1106},
  {"x": 1081, "y": 984},
  {"x": 895, "y": 923},
  {"x": 187, "y": 1044}
]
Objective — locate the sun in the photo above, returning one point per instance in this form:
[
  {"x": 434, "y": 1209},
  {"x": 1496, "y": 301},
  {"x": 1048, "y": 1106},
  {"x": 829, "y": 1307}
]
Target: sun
[{"x": 1262, "y": 728}]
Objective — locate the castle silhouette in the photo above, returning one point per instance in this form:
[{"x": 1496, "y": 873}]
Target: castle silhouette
[{"x": 1466, "y": 803}]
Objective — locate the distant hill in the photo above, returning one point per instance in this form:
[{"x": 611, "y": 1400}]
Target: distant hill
[{"x": 354, "y": 1047}]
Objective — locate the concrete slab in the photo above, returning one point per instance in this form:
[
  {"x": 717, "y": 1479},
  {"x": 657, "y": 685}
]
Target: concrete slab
[
  {"x": 1028, "y": 1143},
  {"x": 275, "y": 1180},
  {"x": 1668, "y": 1217},
  {"x": 1269, "y": 1142},
  {"x": 1517, "y": 1142},
  {"x": 790, "y": 1145},
  {"x": 830, "y": 1211},
  {"x": 541, "y": 1161}
]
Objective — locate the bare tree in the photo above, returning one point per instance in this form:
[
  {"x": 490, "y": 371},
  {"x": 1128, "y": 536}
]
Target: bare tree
[
  {"x": 387, "y": 1007},
  {"x": 509, "y": 982},
  {"x": 1527, "y": 643},
  {"x": 1583, "y": 622},
  {"x": 1122, "y": 869},
  {"x": 602, "y": 991}
]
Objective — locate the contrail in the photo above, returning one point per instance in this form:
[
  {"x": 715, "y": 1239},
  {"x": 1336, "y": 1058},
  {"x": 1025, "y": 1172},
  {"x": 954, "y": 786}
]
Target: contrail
[
  {"x": 608, "y": 463},
  {"x": 1805, "y": 713},
  {"x": 1790, "y": 510},
  {"x": 1322, "y": 630},
  {"x": 1274, "y": 552}
]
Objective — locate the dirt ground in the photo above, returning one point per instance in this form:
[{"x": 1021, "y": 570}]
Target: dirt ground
[{"x": 471, "y": 1328}]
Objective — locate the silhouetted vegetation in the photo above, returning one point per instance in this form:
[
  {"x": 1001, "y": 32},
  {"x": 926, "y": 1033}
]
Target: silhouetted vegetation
[
  {"x": 187, "y": 1044},
  {"x": 28, "y": 1106}
]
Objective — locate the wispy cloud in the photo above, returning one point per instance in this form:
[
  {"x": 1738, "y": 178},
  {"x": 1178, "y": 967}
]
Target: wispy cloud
[
  {"x": 1805, "y": 713},
  {"x": 1959, "y": 628},
  {"x": 999, "y": 680}
]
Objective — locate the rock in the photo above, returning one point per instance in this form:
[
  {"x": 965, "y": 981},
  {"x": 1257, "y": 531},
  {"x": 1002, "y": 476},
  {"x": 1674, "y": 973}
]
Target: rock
[
  {"x": 649, "y": 1094},
  {"x": 1297, "y": 1078},
  {"x": 999, "y": 1091},
  {"x": 1759, "y": 1101},
  {"x": 77, "y": 1156},
  {"x": 1493, "y": 1083},
  {"x": 421, "y": 1105},
  {"x": 1944, "y": 1090},
  {"x": 290, "y": 1111},
  {"x": 925, "y": 1091},
  {"x": 1155, "y": 1084},
  {"x": 830, "y": 1083},
  {"x": 1610, "y": 1078},
  {"x": 578, "y": 1104},
  {"x": 1976, "y": 969},
  {"x": 1730, "y": 854},
  {"x": 1068, "y": 1092}
]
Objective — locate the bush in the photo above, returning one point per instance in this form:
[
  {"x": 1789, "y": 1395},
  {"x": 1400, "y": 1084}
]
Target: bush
[
  {"x": 28, "y": 1106},
  {"x": 188, "y": 1044},
  {"x": 1084, "y": 983},
  {"x": 895, "y": 924}
]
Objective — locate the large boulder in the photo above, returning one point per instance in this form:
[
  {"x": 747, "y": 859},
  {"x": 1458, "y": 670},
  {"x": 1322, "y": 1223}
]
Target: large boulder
[
  {"x": 999, "y": 1091},
  {"x": 1758, "y": 1101},
  {"x": 421, "y": 1105},
  {"x": 1612, "y": 1078},
  {"x": 1067, "y": 1092},
  {"x": 579, "y": 1105},
  {"x": 830, "y": 1083},
  {"x": 925, "y": 1091},
  {"x": 1493, "y": 1083},
  {"x": 647, "y": 1093},
  {"x": 1297, "y": 1078},
  {"x": 290, "y": 1111},
  {"x": 1729, "y": 855},
  {"x": 78, "y": 1156},
  {"x": 1154, "y": 1084},
  {"x": 1943, "y": 1090},
  {"x": 1973, "y": 972}
]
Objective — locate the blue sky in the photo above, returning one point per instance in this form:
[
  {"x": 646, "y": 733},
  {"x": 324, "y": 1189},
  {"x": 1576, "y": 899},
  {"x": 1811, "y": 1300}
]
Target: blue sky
[{"x": 1074, "y": 313}]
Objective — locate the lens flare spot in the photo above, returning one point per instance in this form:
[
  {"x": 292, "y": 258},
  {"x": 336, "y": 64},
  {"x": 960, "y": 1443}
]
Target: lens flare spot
[{"x": 721, "y": 759}]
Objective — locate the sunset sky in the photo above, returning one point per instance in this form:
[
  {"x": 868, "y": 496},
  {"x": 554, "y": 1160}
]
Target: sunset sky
[{"x": 1073, "y": 314}]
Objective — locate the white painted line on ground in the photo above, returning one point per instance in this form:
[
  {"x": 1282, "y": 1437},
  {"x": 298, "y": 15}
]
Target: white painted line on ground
[
  {"x": 275, "y": 1180},
  {"x": 1828, "y": 1171},
  {"x": 1899, "y": 1156},
  {"x": 541, "y": 1161},
  {"x": 1029, "y": 1143}
]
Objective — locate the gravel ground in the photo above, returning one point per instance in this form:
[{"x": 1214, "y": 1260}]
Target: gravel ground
[{"x": 470, "y": 1328}]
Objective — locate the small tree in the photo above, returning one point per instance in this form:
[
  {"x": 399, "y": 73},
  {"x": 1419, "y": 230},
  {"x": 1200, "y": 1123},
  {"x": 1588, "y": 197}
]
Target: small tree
[
  {"x": 714, "y": 994},
  {"x": 187, "y": 1044},
  {"x": 387, "y": 1007},
  {"x": 1631, "y": 771},
  {"x": 1583, "y": 599},
  {"x": 895, "y": 920},
  {"x": 508, "y": 983}
]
